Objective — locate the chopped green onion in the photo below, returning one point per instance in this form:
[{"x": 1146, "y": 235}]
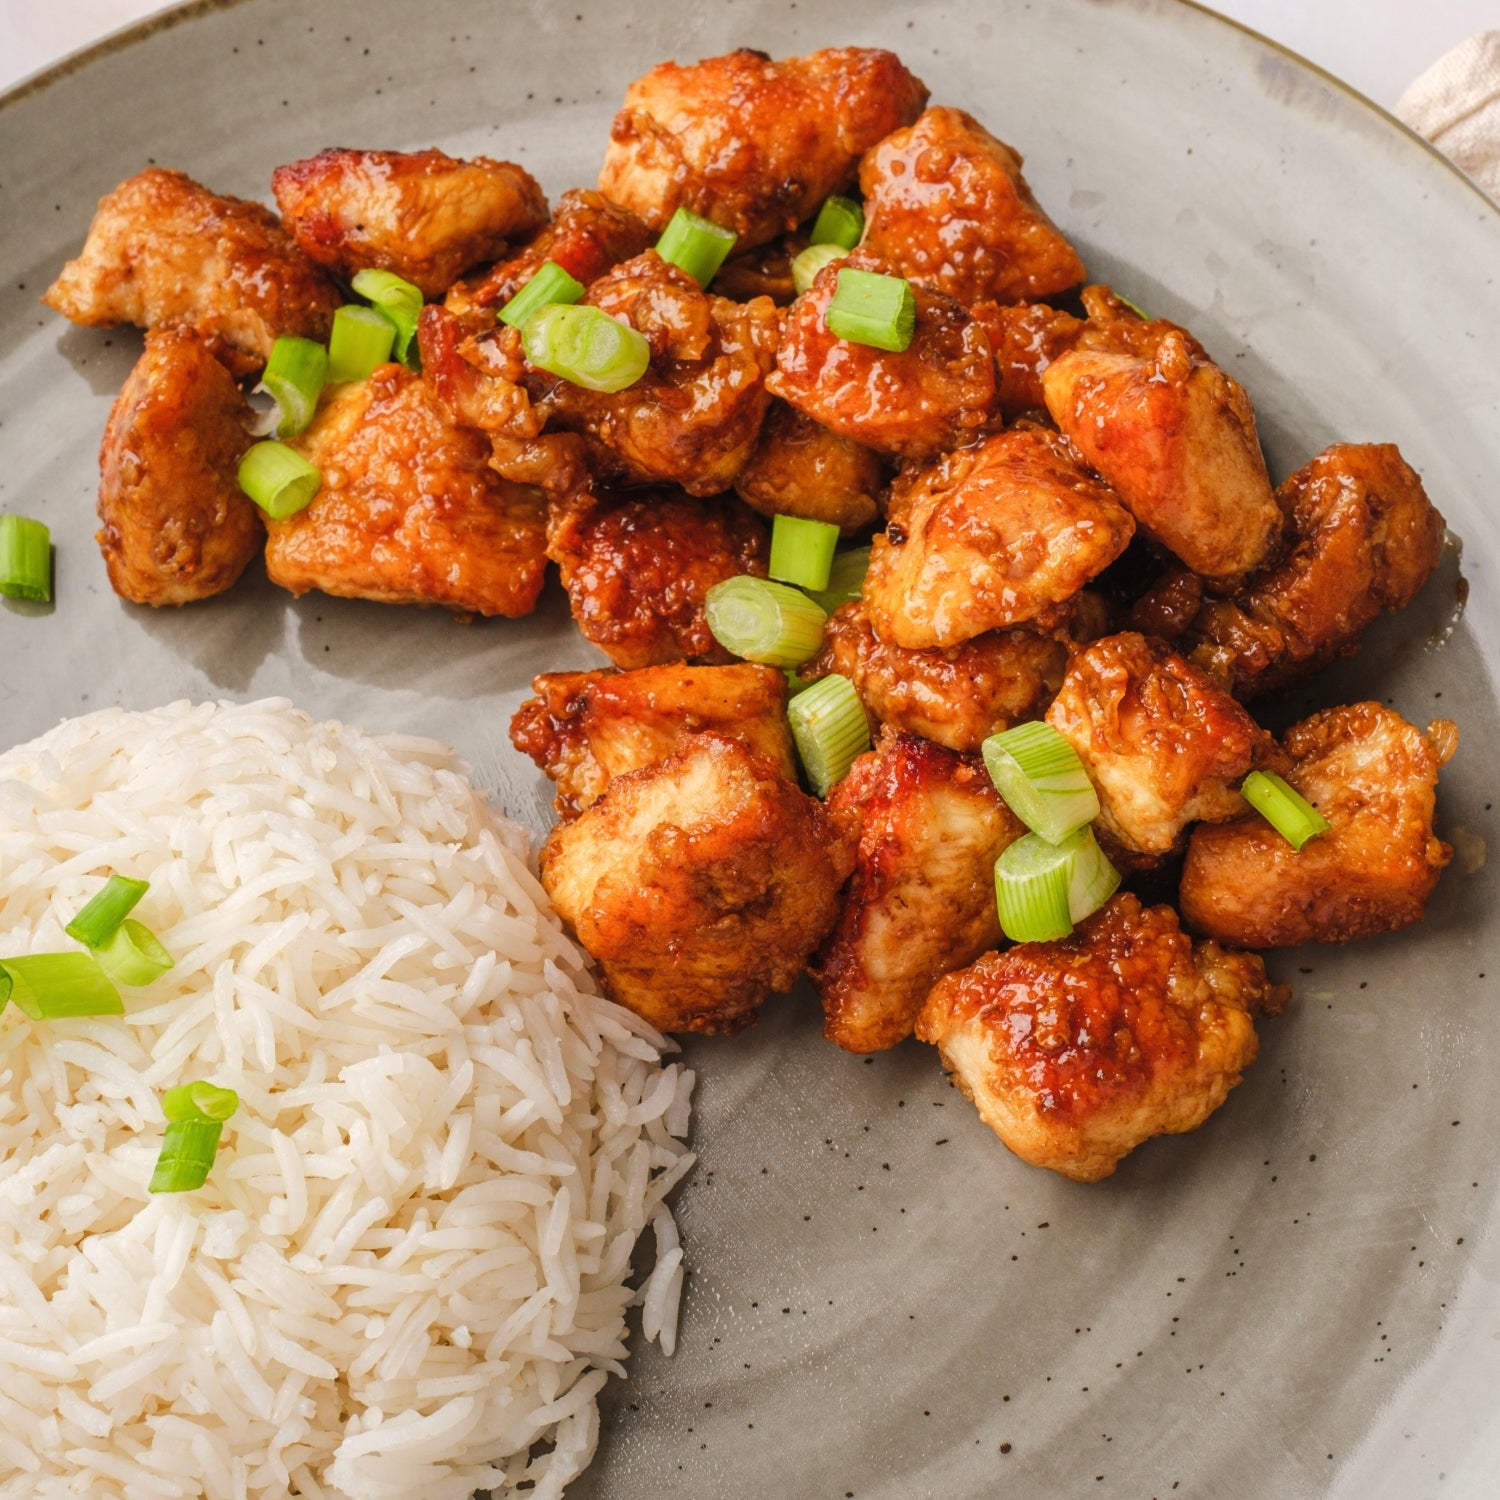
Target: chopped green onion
[
  {"x": 764, "y": 621},
  {"x": 1042, "y": 889},
  {"x": 199, "y": 1100},
  {"x": 278, "y": 479},
  {"x": 399, "y": 300},
  {"x": 585, "y": 346},
  {"x": 868, "y": 308},
  {"x": 1287, "y": 811},
  {"x": 1042, "y": 779},
  {"x": 1131, "y": 305},
  {"x": 132, "y": 954},
  {"x": 361, "y": 339},
  {"x": 829, "y": 725},
  {"x": 25, "y": 559},
  {"x": 695, "y": 245},
  {"x": 846, "y": 578},
  {"x": 807, "y": 263},
  {"x": 840, "y": 222},
  {"x": 54, "y": 986},
  {"x": 101, "y": 918},
  {"x": 550, "y": 284},
  {"x": 294, "y": 378},
  {"x": 802, "y": 551},
  {"x": 188, "y": 1148}
]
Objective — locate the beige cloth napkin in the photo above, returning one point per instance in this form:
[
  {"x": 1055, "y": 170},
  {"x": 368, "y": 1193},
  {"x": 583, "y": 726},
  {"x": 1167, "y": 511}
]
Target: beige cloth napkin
[{"x": 1456, "y": 105}]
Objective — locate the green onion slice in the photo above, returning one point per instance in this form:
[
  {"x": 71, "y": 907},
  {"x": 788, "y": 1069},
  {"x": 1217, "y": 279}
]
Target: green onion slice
[
  {"x": 293, "y": 378},
  {"x": 829, "y": 725},
  {"x": 846, "y": 578},
  {"x": 695, "y": 245},
  {"x": 361, "y": 339},
  {"x": 199, "y": 1100},
  {"x": 278, "y": 479},
  {"x": 1287, "y": 811},
  {"x": 1042, "y": 889},
  {"x": 55, "y": 986},
  {"x": 132, "y": 954},
  {"x": 101, "y": 918},
  {"x": 1042, "y": 779},
  {"x": 188, "y": 1148},
  {"x": 585, "y": 346},
  {"x": 1131, "y": 305},
  {"x": 807, "y": 263},
  {"x": 763, "y": 621},
  {"x": 868, "y": 308},
  {"x": 840, "y": 222},
  {"x": 399, "y": 300},
  {"x": 551, "y": 284},
  {"x": 802, "y": 551},
  {"x": 25, "y": 559}
]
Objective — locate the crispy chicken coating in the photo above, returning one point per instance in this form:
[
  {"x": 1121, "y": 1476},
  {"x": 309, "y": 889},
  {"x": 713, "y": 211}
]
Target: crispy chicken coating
[
  {"x": 1373, "y": 776},
  {"x": 931, "y": 397},
  {"x": 955, "y": 696},
  {"x": 175, "y": 524},
  {"x": 989, "y": 536},
  {"x": 692, "y": 419},
  {"x": 762, "y": 271},
  {"x": 636, "y": 570},
  {"x": 799, "y": 468},
  {"x": 921, "y": 901},
  {"x": 478, "y": 377},
  {"x": 164, "y": 252},
  {"x": 410, "y": 511},
  {"x": 752, "y": 144},
  {"x": 946, "y": 204},
  {"x": 1075, "y": 1052},
  {"x": 1025, "y": 337},
  {"x": 700, "y": 884},
  {"x": 585, "y": 728},
  {"x": 1161, "y": 740}
]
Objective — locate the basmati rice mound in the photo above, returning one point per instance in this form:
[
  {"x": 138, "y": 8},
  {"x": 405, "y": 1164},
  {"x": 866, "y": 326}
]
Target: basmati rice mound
[{"x": 406, "y": 1275}]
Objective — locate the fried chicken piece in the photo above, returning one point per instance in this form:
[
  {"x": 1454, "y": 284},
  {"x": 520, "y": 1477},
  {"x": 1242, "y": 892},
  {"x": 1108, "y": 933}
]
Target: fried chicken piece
[
  {"x": 176, "y": 524},
  {"x": 762, "y": 271},
  {"x": 1160, "y": 739},
  {"x": 946, "y": 204},
  {"x": 636, "y": 570},
  {"x": 585, "y": 728},
  {"x": 586, "y": 236},
  {"x": 1373, "y": 776},
  {"x": 410, "y": 511},
  {"x": 799, "y": 468},
  {"x": 164, "y": 252},
  {"x": 931, "y": 397},
  {"x": 479, "y": 377},
  {"x": 955, "y": 696},
  {"x": 922, "y": 898},
  {"x": 752, "y": 144},
  {"x": 1075, "y": 1052},
  {"x": 1025, "y": 337},
  {"x": 700, "y": 884},
  {"x": 989, "y": 536},
  {"x": 692, "y": 419}
]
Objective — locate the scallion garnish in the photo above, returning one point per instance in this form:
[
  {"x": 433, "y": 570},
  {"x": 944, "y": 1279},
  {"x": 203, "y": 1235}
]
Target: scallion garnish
[
  {"x": 1131, "y": 305},
  {"x": 1042, "y": 779},
  {"x": 763, "y": 621},
  {"x": 807, "y": 263},
  {"x": 695, "y": 245},
  {"x": 195, "y": 1114},
  {"x": 1042, "y": 888},
  {"x": 802, "y": 551},
  {"x": 199, "y": 1100},
  {"x": 55, "y": 986},
  {"x": 550, "y": 284},
  {"x": 132, "y": 954},
  {"x": 278, "y": 479},
  {"x": 829, "y": 725},
  {"x": 25, "y": 559},
  {"x": 399, "y": 300},
  {"x": 840, "y": 222},
  {"x": 868, "y": 308},
  {"x": 101, "y": 917},
  {"x": 585, "y": 346},
  {"x": 1287, "y": 811},
  {"x": 846, "y": 578},
  {"x": 293, "y": 378},
  {"x": 361, "y": 339}
]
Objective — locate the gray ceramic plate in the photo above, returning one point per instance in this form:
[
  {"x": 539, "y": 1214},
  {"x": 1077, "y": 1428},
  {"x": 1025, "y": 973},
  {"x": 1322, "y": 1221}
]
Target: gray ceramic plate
[{"x": 1299, "y": 1299}]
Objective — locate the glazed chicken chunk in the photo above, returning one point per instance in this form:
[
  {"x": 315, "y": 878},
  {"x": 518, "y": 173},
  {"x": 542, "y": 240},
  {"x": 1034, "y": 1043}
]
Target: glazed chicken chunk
[
  {"x": 585, "y": 728},
  {"x": 799, "y": 468},
  {"x": 752, "y": 144},
  {"x": 946, "y": 204},
  {"x": 420, "y": 214},
  {"x": 1162, "y": 742},
  {"x": 1373, "y": 776},
  {"x": 410, "y": 511},
  {"x": 700, "y": 884},
  {"x": 175, "y": 524},
  {"x": 989, "y": 536},
  {"x": 164, "y": 252},
  {"x": 1076, "y": 1051},
  {"x": 921, "y": 901},
  {"x": 1026, "y": 337}
]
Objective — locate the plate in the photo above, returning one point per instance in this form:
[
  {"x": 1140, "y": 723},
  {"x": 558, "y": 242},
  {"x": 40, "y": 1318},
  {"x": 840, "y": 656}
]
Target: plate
[{"x": 1298, "y": 1299}]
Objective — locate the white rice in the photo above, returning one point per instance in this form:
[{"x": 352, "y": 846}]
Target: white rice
[{"x": 406, "y": 1276}]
